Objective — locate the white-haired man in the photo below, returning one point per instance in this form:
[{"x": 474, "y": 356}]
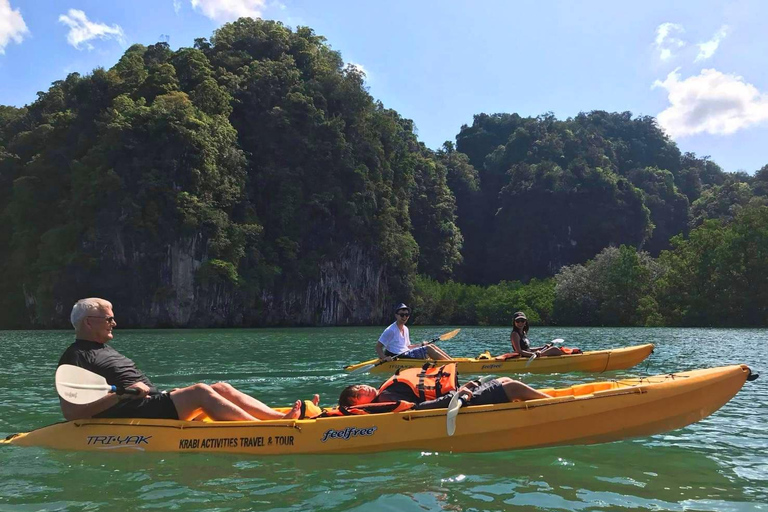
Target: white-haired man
[{"x": 93, "y": 320}]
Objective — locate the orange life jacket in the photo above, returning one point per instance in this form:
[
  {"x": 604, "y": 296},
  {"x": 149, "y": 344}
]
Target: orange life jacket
[
  {"x": 372, "y": 408},
  {"x": 428, "y": 382}
]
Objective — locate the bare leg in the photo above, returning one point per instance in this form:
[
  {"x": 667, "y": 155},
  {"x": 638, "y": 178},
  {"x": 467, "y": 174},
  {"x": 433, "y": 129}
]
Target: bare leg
[
  {"x": 249, "y": 404},
  {"x": 551, "y": 351},
  {"x": 437, "y": 353},
  {"x": 193, "y": 400},
  {"x": 516, "y": 390}
]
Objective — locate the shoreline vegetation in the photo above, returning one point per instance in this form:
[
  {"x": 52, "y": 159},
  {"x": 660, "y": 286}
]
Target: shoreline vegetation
[{"x": 252, "y": 180}]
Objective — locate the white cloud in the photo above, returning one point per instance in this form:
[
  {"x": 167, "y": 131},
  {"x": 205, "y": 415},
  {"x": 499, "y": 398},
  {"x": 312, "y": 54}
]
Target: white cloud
[
  {"x": 707, "y": 49},
  {"x": 12, "y": 26},
  {"x": 176, "y": 6},
  {"x": 228, "y": 10},
  {"x": 82, "y": 30},
  {"x": 666, "y": 40},
  {"x": 711, "y": 102}
]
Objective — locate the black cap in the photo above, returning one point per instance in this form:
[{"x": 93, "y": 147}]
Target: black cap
[{"x": 402, "y": 306}]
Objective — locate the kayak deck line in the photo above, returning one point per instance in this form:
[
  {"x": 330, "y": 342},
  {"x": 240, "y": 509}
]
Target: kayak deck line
[{"x": 188, "y": 425}]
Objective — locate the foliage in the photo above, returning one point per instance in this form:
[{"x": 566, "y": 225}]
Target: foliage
[
  {"x": 554, "y": 193},
  {"x": 256, "y": 156},
  {"x": 608, "y": 290},
  {"x": 230, "y": 177},
  {"x": 462, "y": 304},
  {"x": 719, "y": 274}
]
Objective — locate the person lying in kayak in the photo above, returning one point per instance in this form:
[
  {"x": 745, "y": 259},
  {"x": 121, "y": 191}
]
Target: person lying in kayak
[
  {"x": 396, "y": 341},
  {"x": 520, "y": 343},
  {"x": 432, "y": 387},
  {"x": 93, "y": 320}
]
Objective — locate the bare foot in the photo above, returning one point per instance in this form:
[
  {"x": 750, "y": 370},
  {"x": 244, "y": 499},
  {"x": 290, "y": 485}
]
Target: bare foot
[
  {"x": 316, "y": 399},
  {"x": 295, "y": 411}
]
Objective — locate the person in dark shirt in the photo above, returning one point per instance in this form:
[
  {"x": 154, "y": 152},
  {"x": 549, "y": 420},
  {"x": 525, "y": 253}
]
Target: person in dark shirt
[{"x": 94, "y": 320}]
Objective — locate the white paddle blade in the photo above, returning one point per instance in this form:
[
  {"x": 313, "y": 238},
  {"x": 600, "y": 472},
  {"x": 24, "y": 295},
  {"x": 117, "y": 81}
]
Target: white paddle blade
[
  {"x": 79, "y": 386},
  {"x": 453, "y": 411},
  {"x": 362, "y": 369},
  {"x": 557, "y": 341}
]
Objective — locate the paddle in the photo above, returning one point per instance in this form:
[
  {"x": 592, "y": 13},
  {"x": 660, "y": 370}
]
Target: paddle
[
  {"x": 535, "y": 355},
  {"x": 442, "y": 337},
  {"x": 455, "y": 404},
  {"x": 79, "y": 386}
]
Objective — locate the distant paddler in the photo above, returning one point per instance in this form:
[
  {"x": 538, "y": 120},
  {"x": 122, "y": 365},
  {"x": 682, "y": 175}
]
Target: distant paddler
[
  {"x": 395, "y": 341},
  {"x": 134, "y": 395},
  {"x": 522, "y": 346}
]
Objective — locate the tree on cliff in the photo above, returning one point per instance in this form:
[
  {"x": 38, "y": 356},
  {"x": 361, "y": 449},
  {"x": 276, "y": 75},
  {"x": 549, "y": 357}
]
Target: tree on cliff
[
  {"x": 216, "y": 180},
  {"x": 554, "y": 193}
]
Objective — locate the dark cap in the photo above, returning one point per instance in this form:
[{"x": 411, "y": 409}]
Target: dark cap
[
  {"x": 402, "y": 306},
  {"x": 520, "y": 314}
]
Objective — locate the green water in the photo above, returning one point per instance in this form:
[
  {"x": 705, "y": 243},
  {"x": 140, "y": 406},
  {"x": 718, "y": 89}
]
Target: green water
[{"x": 720, "y": 463}]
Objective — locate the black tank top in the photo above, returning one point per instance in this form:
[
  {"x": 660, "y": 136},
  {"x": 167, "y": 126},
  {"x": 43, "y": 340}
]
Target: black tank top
[{"x": 524, "y": 343}]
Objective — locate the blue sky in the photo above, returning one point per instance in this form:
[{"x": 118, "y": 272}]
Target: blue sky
[{"x": 698, "y": 66}]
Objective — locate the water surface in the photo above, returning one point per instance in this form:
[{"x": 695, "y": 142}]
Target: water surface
[{"x": 720, "y": 463}]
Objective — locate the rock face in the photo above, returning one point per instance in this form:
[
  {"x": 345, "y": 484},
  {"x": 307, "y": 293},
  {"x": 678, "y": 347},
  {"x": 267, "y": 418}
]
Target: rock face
[{"x": 349, "y": 289}]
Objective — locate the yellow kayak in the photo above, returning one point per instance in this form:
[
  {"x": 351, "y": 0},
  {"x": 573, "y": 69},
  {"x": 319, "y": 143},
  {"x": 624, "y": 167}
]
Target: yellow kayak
[
  {"x": 581, "y": 414},
  {"x": 594, "y": 361}
]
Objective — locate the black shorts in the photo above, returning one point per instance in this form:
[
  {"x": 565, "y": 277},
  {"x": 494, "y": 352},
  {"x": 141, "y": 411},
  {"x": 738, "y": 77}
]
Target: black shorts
[
  {"x": 156, "y": 406},
  {"x": 489, "y": 393}
]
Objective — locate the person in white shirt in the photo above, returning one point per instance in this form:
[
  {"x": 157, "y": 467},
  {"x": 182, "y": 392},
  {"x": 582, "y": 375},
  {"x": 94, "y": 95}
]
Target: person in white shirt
[{"x": 395, "y": 341}]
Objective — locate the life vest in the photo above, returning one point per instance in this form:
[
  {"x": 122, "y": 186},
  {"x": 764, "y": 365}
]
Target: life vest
[
  {"x": 372, "y": 408},
  {"x": 309, "y": 410},
  {"x": 567, "y": 350},
  {"x": 428, "y": 382}
]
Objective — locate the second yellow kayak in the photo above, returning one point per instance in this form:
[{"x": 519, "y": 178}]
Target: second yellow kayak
[{"x": 593, "y": 361}]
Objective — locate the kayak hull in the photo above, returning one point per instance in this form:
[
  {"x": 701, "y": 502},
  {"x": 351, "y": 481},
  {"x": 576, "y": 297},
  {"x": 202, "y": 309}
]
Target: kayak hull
[
  {"x": 594, "y": 361},
  {"x": 582, "y": 414}
]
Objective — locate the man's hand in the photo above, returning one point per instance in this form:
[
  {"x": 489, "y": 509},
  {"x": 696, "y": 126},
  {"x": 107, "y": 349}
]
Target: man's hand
[
  {"x": 143, "y": 390},
  {"x": 466, "y": 389}
]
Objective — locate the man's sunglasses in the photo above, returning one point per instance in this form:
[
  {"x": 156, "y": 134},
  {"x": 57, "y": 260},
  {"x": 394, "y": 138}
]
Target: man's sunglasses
[
  {"x": 108, "y": 319},
  {"x": 404, "y": 315}
]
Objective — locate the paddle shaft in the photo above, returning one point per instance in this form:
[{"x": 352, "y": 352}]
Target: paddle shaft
[{"x": 118, "y": 390}]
